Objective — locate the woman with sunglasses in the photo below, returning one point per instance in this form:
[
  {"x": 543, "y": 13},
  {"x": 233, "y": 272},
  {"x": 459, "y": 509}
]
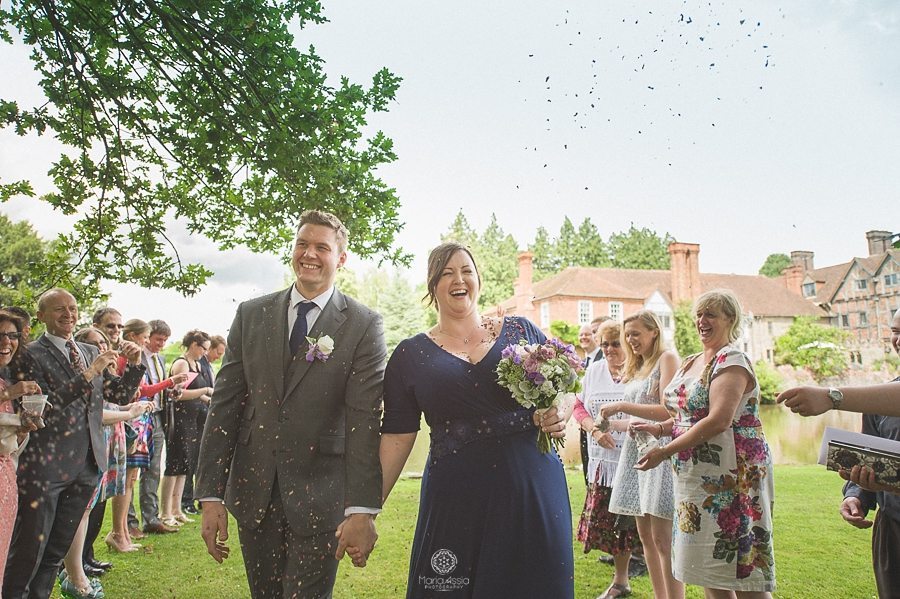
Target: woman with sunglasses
[{"x": 14, "y": 429}]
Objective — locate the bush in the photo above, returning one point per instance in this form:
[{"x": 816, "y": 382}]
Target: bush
[
  {"x": 687, "y": 341},
  {"x": 816, "y": 347},
  {"x": 564, "y": 331},
  {"x": 770, "y": 382}
]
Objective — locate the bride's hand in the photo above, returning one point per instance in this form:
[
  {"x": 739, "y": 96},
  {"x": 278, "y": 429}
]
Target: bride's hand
[{"x": 550, "y": 421}]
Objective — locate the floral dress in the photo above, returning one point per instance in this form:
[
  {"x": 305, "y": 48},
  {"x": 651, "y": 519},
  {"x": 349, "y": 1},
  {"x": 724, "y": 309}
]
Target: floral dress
[{"x": 722, "y": 533}]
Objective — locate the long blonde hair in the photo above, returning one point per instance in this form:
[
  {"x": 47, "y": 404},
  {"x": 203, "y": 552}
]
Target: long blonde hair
[{"x": 636, "y": 366}]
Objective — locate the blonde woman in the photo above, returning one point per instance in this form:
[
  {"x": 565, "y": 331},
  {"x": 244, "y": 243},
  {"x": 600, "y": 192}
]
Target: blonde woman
[
  {"x": 648, "y": 496},
  {"x": 723, "y": 467}
]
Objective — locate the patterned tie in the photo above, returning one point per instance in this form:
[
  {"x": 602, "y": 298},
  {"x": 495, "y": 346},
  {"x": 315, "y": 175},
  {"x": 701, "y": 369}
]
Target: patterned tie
[
  {"x": 298, "y": 333},
  {"x": 75, "y": 357}
]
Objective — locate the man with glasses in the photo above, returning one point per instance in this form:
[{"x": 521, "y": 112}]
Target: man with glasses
[{"x": 109, "y": 320}]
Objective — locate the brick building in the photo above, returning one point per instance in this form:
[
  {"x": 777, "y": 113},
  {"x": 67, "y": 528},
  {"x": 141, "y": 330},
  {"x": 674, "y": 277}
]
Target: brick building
[
  {"x": 579, "y": 294},
  {"x": 860, "y": 295}
]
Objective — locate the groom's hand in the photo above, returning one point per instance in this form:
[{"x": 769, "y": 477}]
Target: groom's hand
[
  {"x": 356, "y": 536},
  {"x": 214, "y": 529}
]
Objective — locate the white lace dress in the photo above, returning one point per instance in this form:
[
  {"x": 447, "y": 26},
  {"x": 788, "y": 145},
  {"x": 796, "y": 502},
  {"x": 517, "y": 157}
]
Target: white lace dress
[{"x": 637, "y": 493}]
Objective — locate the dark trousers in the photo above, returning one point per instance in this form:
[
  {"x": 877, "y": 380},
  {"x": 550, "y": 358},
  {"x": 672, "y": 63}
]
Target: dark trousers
[
  {"x": 281, "y": 564},
  {"x": 886, "y": 555},
  {"x": 95, "y": 523},
  {"x": 148, "y": 497},
  {"x": 49, "y": 514},
  {"x": 187, "y": 497}
]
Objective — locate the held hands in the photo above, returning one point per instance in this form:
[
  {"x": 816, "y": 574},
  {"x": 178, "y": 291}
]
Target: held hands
[
  {"x": 356, "y": 536},
  {"x": 550, "y": 421},
  {"x": 854, "y": 514},
  {"x": 610, "y": 409},
  {"x": 131, "y": 351},
  {"x": 22, "y": 388},
  {"x": 101, "y": 363},
  {"x": 177, "y": 379},
  {"x": 864, "y": 477},
  {"x": 214, "y": 529},
  {"x": 31, "y": 421},
  {"x": 603, "y": 439},
  {"x": 651, "y": 459},
  {"x": 806, "y": 401},
  {"x": 137, "y": 408},
  {"x": 642, "y": 426}
]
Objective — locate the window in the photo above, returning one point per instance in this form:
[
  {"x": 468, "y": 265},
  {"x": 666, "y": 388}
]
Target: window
[
  {"x": 892, "y": 280},
  {"x": 585, "y": 312},
  {"x": 615, "y": 311},
  {"x": 845, "y": 320},
  {"x": 771, "y": 327},
  {"x": 666, "y": 321},
  {"x": 863, "y": 319},
  {"x": 862, "y": 284},
  {"x": 809, "y": 290},
  {"x": 545, "y": 315}
]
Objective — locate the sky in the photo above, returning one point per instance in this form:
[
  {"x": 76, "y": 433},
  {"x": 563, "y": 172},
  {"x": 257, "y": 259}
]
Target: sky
[{"x": 753, "y": 129}]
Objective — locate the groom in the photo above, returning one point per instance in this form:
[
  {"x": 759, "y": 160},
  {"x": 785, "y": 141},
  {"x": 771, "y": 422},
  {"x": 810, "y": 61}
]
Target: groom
[{"x": 291, "y": 441}]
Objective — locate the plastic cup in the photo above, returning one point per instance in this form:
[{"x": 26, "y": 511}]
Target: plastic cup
[{"x": 35, "y": 403}]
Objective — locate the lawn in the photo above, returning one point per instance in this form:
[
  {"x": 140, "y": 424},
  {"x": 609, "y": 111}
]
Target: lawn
[{"x": 817, "y": 554}]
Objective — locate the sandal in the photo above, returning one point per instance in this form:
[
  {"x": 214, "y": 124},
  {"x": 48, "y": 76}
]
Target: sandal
[{"x": 621, "y": 590}]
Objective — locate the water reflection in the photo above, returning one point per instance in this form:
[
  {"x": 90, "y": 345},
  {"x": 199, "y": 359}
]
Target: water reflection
[{"x": 792, "y": 439}]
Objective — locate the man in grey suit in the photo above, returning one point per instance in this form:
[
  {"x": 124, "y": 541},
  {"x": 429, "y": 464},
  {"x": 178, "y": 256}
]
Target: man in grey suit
[
  {"x": 62, "y": 463},
  {"x": 291, "y": 441}
]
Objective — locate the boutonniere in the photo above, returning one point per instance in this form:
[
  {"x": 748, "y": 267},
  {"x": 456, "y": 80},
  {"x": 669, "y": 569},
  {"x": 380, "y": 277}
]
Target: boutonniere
[{"x": 319, "y": 349}]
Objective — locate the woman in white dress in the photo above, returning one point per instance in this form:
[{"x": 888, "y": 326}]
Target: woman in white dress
[{"x": 648, "y": 496}]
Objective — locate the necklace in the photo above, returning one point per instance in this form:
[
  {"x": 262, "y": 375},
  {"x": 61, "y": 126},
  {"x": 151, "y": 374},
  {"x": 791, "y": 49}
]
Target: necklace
[
  {"x": 617, "y": 376},
  {"x": 465, "y": 339}
]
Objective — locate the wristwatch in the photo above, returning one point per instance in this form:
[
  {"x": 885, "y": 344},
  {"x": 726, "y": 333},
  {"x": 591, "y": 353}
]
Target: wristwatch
[{"x": 836, "y": 398}]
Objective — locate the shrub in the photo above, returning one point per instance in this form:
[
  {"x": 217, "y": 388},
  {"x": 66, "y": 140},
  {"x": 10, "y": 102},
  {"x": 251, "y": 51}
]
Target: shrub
[{"x": 770, "y": 382}]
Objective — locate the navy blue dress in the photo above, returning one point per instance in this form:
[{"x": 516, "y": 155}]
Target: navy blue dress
[{"x": 494, "y": 515}]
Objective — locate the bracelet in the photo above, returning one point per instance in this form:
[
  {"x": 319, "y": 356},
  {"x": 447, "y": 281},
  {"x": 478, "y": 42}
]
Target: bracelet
[{"x": 659, "y": 424}]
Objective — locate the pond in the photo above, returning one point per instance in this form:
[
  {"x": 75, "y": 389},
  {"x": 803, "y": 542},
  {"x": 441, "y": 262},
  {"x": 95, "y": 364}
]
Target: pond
[{"x": 792, "y": 439}]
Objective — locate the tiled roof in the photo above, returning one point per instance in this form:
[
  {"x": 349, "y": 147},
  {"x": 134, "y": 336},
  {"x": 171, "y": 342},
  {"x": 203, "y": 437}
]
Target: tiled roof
[
  {"x": 829, "y": 279},
  {"x": 758, "y": 294}
]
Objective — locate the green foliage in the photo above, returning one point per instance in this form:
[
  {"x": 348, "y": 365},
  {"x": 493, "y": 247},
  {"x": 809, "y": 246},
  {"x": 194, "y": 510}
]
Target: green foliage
[
  {"x": 391, "y": 295},
  {"x": 29, "y": 266},
  {"x": 639, "y": 248},
  {"x": 687, "y": 341},
  {"x": 495, "y": 253},
  {"x": 544, "y": 262},
  {"x": 206, "y": 113},
  {"x": 774, "y": 264},
  {"x": 890, "y": 362},
  {"x": 564, "y": 331},
  {"x": 816, "y": 347},
  {"x": 770, "y": 382}
]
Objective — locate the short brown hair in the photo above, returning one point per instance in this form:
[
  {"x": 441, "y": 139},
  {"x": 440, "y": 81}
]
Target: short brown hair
[
  {"x": 437, "y": 262},
  {"x": 216, "y": 341},
  {"x": 159, "y": 327},
  {"x": 326, "y": 219},
  {"x": 194, "y": 336}
]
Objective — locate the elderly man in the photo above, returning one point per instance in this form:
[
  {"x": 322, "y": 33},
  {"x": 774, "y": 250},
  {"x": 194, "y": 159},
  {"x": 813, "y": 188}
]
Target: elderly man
[{"x": 62, "y": 463}]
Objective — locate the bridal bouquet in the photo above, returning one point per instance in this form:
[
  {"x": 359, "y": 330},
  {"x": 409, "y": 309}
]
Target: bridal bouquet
[{"x": 541, "y": 376}]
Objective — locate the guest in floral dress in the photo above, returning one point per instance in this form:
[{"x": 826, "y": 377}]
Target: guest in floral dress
[
  {"x": 598, "y": 528},
  {"x": 723, "y": 468}
]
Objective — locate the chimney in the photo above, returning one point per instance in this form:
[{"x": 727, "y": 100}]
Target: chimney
[
  {"x": 522, "y": 287},
  {"x": 684, "y": 259},
  {"x": 879, "y": 241},
  {"x": 792, "y": 277},
  {"x": 803, "y": 259}
]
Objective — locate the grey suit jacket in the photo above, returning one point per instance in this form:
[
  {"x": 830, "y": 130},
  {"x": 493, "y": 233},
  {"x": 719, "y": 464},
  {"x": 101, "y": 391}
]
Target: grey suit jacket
[
  {"x": 73, "y": 424},
  {"x": 313, "y": 425}
]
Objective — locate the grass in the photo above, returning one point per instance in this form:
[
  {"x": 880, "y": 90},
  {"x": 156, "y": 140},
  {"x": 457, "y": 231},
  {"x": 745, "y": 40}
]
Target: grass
[{"x": 817, "y": 554}]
